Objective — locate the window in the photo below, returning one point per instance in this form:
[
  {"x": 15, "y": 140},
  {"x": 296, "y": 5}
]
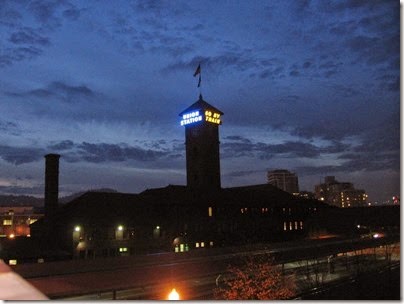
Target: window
[
  {"x": 196, "y": 245},
  {"x": 7, "y": 222},
  {"x": 123, "y": 249},
  {"x": 290, "y": 225},
  {"x": 210, "y": 211},
  {"x": 285, "y": 226},
  {"x": 295, "y": 225},
  {"x": 202, "y": 244},
  {"x": 301, "y": 225}
]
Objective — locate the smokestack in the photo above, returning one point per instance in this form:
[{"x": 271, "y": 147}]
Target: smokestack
[{"x": 51, "y": 185}]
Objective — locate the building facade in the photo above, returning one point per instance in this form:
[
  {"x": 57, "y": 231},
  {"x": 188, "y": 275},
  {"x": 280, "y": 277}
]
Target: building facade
[
  {"x": 16, "y": 220},
  {"x": 284, "y": 179},
  {"x": 340, "y": 194},
  {"x": 201, "y": 121}
]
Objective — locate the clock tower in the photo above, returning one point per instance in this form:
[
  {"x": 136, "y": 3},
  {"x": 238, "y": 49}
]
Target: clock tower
[{"x": 201, "y": 121}]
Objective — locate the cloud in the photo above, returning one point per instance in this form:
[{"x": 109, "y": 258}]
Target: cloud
[
  {"x": 9, "y": 16},
  {"x": 104, "y": 152},
  {"x": 242, "y": 147},
  {"x": 61, "y": 146},
  {"x": 8, "y": 127},
  {"x": 28, "y": 35},
  {"x": 243, "y": 173},
  {"x": 10, "y": 55},
  {"x": 20, "y": 190},
  {"x": 240, "y": 60},
  {"x": 28, "y": 38},
  {"x": 20, "y": 155},
  {"x": 72, "y": 14},
  {"x": 59, "y": 90}
]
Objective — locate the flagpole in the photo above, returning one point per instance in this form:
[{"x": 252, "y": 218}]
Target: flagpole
[
  {"x": 198, "y": 72},
  {"x": 200, "y": 83}
]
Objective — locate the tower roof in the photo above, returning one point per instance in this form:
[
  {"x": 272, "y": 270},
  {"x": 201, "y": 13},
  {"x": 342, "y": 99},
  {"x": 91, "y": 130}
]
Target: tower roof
[{"x": 200, "y": 104}]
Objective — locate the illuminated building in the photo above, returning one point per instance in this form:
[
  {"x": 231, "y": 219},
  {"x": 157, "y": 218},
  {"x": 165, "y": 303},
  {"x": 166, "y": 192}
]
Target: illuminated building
[
  {"x": 343, "y": 195},
  {"x": 179, "y": 218},
  {"x": 284, "y": 179},
  {"x": 201, "y": 121},
  {"x": 15, "y": 220}
]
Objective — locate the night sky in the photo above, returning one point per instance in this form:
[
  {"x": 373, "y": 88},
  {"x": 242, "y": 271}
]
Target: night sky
[{"x": 308, "y": 86}]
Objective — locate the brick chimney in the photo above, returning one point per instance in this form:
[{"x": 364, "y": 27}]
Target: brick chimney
[{"x": 51, "y": 185}]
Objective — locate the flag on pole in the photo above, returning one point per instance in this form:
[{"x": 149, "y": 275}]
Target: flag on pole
[{"x": 198, "y": 72}]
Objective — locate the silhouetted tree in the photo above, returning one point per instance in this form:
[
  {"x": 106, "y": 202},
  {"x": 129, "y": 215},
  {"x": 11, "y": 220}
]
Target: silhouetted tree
[{"x": 257, "y": 278}]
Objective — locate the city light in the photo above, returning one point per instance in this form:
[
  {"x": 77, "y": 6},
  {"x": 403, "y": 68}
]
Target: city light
[
  {"x": 12, "y": 262},
  {"x": 120, "y": 227},
  {"x": 77, "y": 228},
  {"x": 174, "y": 295},
  {"x": 11, "y": 236},
  {"x": 191, "y": 118}
]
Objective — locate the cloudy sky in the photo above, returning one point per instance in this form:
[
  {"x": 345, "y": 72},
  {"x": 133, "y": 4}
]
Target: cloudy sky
[{"x": 308, "y": 86}]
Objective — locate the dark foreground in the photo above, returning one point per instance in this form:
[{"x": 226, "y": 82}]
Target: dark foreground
[{"x": 377, "y": 285}]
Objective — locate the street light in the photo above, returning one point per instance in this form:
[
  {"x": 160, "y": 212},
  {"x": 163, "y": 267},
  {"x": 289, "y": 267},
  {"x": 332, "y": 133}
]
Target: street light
[{"x": 174, "y": 295}]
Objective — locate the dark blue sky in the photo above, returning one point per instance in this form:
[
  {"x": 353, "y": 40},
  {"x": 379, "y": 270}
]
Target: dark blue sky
[{"x": 308, "y": 86}]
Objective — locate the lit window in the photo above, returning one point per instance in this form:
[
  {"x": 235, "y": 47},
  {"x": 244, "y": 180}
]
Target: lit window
[
  {"x": 210, "y": 211},
  {"x": 181, "y": 247},
  {"x": 202, "y": 244},
  {"x": 123, "y": 249},
  {"x": 197, "y": 245},
  {"x": 295, "y": 225},
  {"x": 285, "y": 226},
  {"x": 12, "y": 262},
  {"x": 7, "y": 222},
  {"x": 290, "y": 225},
  {"x": 301, "y": 225},
  {"x": 211, "y": 243}
]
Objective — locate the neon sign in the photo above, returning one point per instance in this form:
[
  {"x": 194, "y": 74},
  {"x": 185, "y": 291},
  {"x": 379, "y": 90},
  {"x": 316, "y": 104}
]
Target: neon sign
[
  {"x": 195, "y": 116},
  {"x": 191, "y": 118},
  {"x": 212, "y": 117}
]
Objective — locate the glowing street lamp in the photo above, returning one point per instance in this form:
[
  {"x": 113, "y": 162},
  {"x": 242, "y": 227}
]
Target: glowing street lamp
[{"x": 174, "y": 295}]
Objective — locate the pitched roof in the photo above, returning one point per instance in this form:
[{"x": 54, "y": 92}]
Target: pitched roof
[{"x": 200, "y": 104}]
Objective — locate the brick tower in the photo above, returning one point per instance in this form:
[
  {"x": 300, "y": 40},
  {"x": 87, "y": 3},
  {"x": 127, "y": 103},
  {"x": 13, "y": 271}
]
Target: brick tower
[{"x": 201, "y": 121}]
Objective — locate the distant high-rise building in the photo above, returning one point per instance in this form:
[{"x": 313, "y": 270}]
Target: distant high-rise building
[
  {"x": 284, "y": 179},
  {"x": 343, "y": 195}
]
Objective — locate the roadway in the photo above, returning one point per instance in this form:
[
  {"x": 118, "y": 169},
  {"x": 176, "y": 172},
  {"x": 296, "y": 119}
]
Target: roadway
[{"x": 193, "y": 274}]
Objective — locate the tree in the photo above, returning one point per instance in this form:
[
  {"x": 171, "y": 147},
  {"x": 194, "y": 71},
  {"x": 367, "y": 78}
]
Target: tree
[{"x": 256, "y": 278}]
